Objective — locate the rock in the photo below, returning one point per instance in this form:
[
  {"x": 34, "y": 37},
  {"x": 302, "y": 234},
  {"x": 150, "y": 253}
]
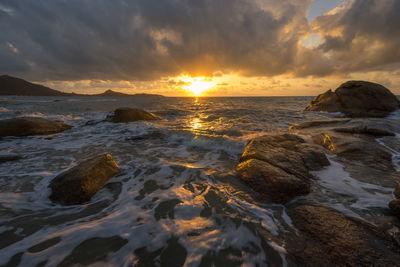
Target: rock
[
  {"x": 329, "y": 238},
  {"x": 277, "y": 166},
  {"x": 394, "y": 205},
  {"x": 80, "y": 183},
  {"x": 9, "y": 157},
  {"x": 131, "y": 114},
  {"x": 357, "y": 99},
  {"x": 397, "y": 190},
  {"x": 365, "y": 130},
  {"x": 351, "y": 148},
  {"x": 310, "y": 124},
  {"x": 26, "y": 126}
]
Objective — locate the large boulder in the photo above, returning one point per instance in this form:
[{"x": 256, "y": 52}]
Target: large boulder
[
  {"x": 357, "y": 99},
  {"x": 131, "y": 114},
  {"x": 277, "y": 166},
  {"x": 25, "y": 126},
  {"x": 328, "y": 238},
  {"x": 79, "y": 184}
]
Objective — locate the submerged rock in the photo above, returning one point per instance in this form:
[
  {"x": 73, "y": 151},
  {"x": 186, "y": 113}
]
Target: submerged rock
[
  {"x": 319, "y": 123},
  {"x": 26, "y": 126},
  {"x": 357, "y": 99},
  {"x": 80, "y": 183},
  {"x": 131, "y": 114},
  {"x": 329, "y": 238},
  {"x": 277, "y": 166}
]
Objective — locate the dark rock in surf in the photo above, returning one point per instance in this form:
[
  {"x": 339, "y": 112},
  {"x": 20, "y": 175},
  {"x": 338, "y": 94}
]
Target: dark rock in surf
[
  {"x": 80, "y": 183},
  {"x": 394, "y": 205},
  {"x": 367, "y": 130},
  {"x": 357, "y": 99},
  {"x": 329, "y": 238},
  {"x": 9, "y": 157},
  {"x": 321, "y": 123},
  {"x": 131, "y": 114},
  {"x": 397, "y": 190},
  {"x": 277, "y": 166},
  {"x": 26, "y": 126}
]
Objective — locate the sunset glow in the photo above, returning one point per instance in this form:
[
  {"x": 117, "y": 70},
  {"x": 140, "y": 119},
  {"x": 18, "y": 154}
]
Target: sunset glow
[{"x": 197, "y": 85}]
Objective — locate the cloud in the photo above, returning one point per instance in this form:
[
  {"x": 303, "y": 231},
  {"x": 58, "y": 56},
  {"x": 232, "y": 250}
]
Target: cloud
[
  {"x": 148, "y": 40},
  {"x": 145, "y": 40},
  {"x": 360, "y": 35}
]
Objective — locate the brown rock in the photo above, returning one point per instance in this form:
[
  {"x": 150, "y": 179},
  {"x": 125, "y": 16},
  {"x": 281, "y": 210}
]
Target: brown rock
[
  {"x": 9, "y": 157},
  {"x": 357, "y": 99},
  {"x": 397, "y": 190},
  {"x": 80, "y": 183},
  {"x": 368, "y": 152},
  {"x": 131, "y": 114},
  {"x": 26, "y": 126},
  {"x": 277, "y": 166},
  {"x": 364, "y": 130},
  {"x": 394, "y": 205},
  {"x": 329, "y": 238},
  {"x": 310, "y": 124}
]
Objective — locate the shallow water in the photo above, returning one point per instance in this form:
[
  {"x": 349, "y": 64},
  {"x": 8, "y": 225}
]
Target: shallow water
[{"x": 176, "y": 197}]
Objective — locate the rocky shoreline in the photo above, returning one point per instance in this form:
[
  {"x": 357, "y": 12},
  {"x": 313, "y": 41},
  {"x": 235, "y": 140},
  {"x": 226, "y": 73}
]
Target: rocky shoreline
[{"x": 278, "y": 168}]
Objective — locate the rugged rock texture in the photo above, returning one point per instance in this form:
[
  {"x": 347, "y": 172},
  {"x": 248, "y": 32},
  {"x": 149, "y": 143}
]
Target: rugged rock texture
[
  {"x": 26, "y": 126},
  {"x": 131, "y": 114},
  {"x": 368, "y": 152},
  {"x": 277, "y": 166},
  {"x": 80, "y": 183},
  {"x": 365, "y": 130},
  {"x": 357, "y": 99},
  {"x": 329, "y": 238}
]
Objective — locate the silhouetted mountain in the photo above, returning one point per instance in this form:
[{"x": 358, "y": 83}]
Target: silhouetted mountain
[
  {"x": 113, "y": 93},
  {"x": 18, "y": 87}
]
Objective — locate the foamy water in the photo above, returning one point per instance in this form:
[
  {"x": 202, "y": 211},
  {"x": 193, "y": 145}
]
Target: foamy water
[{"x": 177, "y": 189}]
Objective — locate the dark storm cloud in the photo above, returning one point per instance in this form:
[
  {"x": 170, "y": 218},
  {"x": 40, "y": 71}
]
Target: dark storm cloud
[
  {"x": 362, "y": 35},
  {"x": 149, "y": 39},
  {"x": 120, "y": 39}
]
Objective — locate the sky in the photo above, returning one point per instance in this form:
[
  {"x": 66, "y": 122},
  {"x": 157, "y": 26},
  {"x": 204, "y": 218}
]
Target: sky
[{"x": 182, "y": 47}]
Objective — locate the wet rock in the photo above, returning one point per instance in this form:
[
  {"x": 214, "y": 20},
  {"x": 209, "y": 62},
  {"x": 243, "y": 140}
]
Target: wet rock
[
  {"x": 310, "y": 124},
  {"x": 394, "y": 205},
  {"x": 397, "y": 190},
  {"x": 277, "y": 166},
  {"x": 174, "y": 255},
  {"x": 357, "y": 99},
  {"x": 131, "y": 114},
  {"x": 93, "y": 250},
  {"x": 365, "y": 130},
  {"x": 26, "y": 126},
  {"x": 9, "y": 157},
  {"x": 80, "y": 183},
  {"x": 165, "y": 209},
  {"x": 329, "y": 238},
  {"x": 352, "y": 148}
]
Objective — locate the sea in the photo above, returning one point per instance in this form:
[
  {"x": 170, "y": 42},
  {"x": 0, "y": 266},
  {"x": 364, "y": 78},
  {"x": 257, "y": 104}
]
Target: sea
[{"x": 177, "y": 200}]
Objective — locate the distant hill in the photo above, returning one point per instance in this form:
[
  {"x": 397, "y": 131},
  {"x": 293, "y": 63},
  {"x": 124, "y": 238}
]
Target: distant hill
[
  {"x": 11, "y": 86},
  {"x": 113, "y": 93},
  {"x": 19, "y": 87}
]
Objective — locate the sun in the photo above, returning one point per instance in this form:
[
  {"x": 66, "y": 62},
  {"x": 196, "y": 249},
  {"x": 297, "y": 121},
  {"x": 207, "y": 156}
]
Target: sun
[{"x": 197, "y": 85}]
